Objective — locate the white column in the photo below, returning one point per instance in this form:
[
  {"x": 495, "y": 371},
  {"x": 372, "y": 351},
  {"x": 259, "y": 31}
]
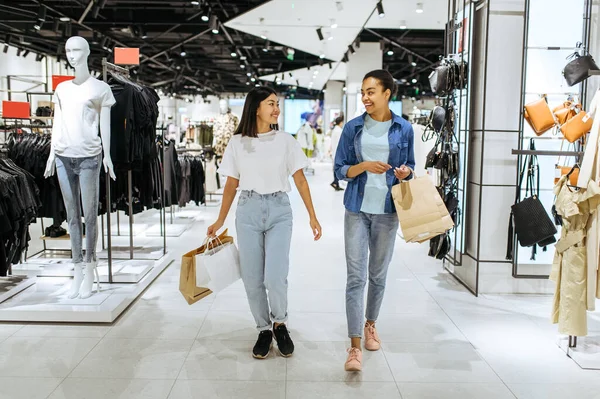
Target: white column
[
  {"x": 367, "y": 58},
  {"x": 333, "y": 100}
]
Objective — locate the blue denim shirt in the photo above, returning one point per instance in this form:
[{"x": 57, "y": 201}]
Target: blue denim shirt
[{"x": 349, "y": 153}]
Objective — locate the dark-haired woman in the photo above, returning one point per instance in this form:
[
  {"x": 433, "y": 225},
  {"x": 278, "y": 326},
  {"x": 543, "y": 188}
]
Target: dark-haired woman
[
  {"x": 375, "y": 153},
  {"x": 258, "y": 161}
]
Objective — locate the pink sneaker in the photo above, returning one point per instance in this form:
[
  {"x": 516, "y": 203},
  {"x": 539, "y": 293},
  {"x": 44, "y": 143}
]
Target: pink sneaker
[
  {"x": 372, "y": 341},
  {"x": 354, "y": 362}
]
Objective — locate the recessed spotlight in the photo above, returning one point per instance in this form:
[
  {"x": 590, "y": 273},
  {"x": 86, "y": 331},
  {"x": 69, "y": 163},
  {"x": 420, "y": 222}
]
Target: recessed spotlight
[
  {"x": 65, "y": 19},
  {"x": 419, "y": 8},
  {"x": 390, "y": 52},
  {"x": 253, "y": 80},
  {"x": 183, "y": 52},
  {"x": 257, "y": 85},
  {"x": 414, "y": 80},
  {"x": 334, "y": 24},
  {"x": 243, "y": 58},
  {"x": 403, "y": 24},
  {"x": 248, "y": 74},
  {"x": 322, "y": 56},
  {"x": 243, "y": 66},
  {"x": 247, "y": 83},
  {"x": 413, "y": 63},
  {"x": 195, "y": 3}
]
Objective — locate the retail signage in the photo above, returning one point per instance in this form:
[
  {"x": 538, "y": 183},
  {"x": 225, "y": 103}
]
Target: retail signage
[
  {"x": 127, "y": 56},
  {"x": 57, "y": 79},
  {"x": 16, "y": 110}
]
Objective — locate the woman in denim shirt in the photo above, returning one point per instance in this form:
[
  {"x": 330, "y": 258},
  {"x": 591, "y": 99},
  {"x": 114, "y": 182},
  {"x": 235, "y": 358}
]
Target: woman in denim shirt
[{"x": 376, "y": 151}]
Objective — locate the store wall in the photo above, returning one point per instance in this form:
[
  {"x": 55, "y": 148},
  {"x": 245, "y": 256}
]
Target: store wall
[
  {"x": 19, "y": 67},
  {"x": 367, "y": 58}
]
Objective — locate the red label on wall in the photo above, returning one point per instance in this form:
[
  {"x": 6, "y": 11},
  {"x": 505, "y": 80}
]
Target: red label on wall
[
  {"x": 57, "y": 79},
  {"x": 127, "y": 56},
  {"x": 16, "y": 110}
]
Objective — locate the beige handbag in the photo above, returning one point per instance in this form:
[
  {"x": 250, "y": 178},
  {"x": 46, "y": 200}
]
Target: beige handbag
[{"x": 577, "y": 126}]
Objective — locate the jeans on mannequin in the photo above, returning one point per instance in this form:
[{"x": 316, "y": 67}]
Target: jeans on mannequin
[{"x": 79, "y": 180}]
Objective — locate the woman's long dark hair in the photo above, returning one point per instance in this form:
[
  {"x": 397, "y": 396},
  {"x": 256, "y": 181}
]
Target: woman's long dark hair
[{"x": 248, "y": 125}]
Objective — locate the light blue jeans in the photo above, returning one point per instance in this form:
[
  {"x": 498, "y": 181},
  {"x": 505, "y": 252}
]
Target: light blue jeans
[
  {"x": 79, "y": 180},
  {"x": 369, "y": 241},
  {"x": 264, "y": 233}
]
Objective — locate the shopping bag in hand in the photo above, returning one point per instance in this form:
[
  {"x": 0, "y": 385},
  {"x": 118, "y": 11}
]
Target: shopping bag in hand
[
  {"x": 219, "y": 266},
  {"x": 421, "y": 210},
  {"x": 187, "y": 277}
]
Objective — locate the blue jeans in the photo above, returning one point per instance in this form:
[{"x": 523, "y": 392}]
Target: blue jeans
[
  {"x": 264, "y": 233},
  {"x": 79, "y": 180},
  {"x": 369, "y": 241}
]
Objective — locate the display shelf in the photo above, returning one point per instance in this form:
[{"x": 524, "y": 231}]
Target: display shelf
[
  {"x": 172, "y": 230},
  {"x": 547, "y": 153},
  {"x": 61, "y": 238},
  {"x": 12, "y": 285}
]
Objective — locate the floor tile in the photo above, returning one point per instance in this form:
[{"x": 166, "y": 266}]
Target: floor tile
[
  {"x": 159, "y": 324},
  {"x": 29, "y": 388},
  {"x": 324, "y": 361},
  {"x": 89, "y": 388},
  {"x": 434, "y": 326},
  {"x": 437, "y": 362},
  {"x": 314, "y": 327},
  {"x": 231, "y": 360},
  {"x": 61, "y": 330},
  {"x": 222, "y": 325},
  {"x": 324, "y": 301},
  {"x": 556, "y": 391},
  {"x": 454, "y": 391},
  {"x": 342, "y": 390},
  {"x": 134, "y": 358},
  {"x": 42, "y": 356},
  {"x": 227, "y": 390}
]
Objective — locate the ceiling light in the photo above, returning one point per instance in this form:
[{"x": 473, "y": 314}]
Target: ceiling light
[
  {"x": 26, "y": 53},
  {"x": 334, "y": 24},
  {"x": 5, "y": 48},
  {"x": 345, "y": 88},
  {"x": 214, "y": 24},
  {"x": 38, "y": 25},
  {"x": 351, "y": 49},
  {"x": 419, "y": 8},
  {"x": 322, "y": 56},
  {"x": 415, "y": 80},
  {"x": 330, "y": 38},
  {"x": 248, "y": 74},
  {"x": 183, "y": 52},
  {"x": 195, "y": 3},
  {"x": 257, "y": 85},
  {"x": 233, "y": 52},
  {"x": 253, "y": 79},
  {"x": 19, "y": 51},
  {"x": 316, "y": 72},
  {"x": 247, "y": 83},
  {"x": 243, "y": 66},
  {"x": 143, "y": 33},
  {"x": 205, "y": 14},
  {"x": 39, "y": 57},
  {"x": 41, "y": 14},
  {"x": 403, "y": 24},
  {"x": 380, "y": 9},
  {"x": 243, "y": 58},
  {"x": 320, "y": 33},
  {"x": 65, "y": 19},
  {"x": 413, "y": 64},
  {"x": 390, "y": 51},
  {"x": 266, "y": 48}
]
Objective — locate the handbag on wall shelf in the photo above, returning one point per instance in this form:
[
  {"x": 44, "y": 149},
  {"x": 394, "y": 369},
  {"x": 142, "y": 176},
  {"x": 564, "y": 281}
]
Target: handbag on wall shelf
[
  {"x": 566, "y": 111},
  {"x": 578, "y": 69},
  {"x": 576, "y": 127},
  {"x": 539, "y": 116}
]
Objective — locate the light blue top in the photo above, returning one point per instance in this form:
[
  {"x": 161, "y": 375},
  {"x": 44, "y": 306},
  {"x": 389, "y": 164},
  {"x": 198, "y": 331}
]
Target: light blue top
[{"x": 375, "y": 147}]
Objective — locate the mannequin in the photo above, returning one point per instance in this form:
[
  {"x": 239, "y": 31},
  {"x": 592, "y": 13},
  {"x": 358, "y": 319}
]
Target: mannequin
[
  {"x": 81, "y": 106},
  {"x": 224, "y": 127}
]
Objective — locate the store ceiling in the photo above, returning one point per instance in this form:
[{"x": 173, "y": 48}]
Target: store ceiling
[{"x": 160, "y": 28}]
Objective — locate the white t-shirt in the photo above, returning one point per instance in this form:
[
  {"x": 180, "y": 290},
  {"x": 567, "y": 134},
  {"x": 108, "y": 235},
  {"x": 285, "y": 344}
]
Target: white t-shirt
[
  {"x": 336, "y": 135},
  {"x": 75, "y": 135},
  {"x": 263, "y": 164}
]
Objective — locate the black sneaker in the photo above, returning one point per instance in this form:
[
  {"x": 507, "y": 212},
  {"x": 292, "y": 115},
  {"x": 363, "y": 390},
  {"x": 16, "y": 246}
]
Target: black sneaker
[
  {"x": 263, "y": 345},
  {"x": 284, "y": 342}
]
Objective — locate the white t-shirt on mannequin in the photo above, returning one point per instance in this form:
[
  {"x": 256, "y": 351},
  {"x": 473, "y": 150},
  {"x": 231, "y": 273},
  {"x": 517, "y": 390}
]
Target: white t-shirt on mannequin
[
  {"x": 80, "y": 107},
  {"x": 263, "y": 164}
]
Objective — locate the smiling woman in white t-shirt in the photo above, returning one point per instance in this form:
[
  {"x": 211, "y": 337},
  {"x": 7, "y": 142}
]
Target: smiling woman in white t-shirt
[{"x": 259, "y": 160}]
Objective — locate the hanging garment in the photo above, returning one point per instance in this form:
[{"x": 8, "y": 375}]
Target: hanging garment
[
  {"x": 223, "y": 130},
  {"x": 590, "y": 171},
  {"x": 570, "y": 258},
  {"x": 211, "y": 176},
  {"x": 305, "y": 137},
  {"x": 205, "y": 135}
]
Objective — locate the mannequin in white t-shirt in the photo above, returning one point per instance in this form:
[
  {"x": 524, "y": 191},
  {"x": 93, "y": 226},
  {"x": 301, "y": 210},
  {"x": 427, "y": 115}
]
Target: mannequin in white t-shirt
[{"x": 81, "y": 108}]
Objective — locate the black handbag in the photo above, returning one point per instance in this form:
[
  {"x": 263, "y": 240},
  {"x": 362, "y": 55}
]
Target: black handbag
[
  {"x": 528, "y": 217},
  {"x": 438, "y": 119},
  {"x": 579, "y": 68}
]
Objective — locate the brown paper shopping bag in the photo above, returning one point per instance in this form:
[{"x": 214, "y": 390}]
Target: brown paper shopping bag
[
  {"x": 187, "y": 276},
  {"x": 421, "y": 211}
]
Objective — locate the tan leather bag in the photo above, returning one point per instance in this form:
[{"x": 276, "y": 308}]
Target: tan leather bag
[
  {"x": 577, "y": 126},
  {"x": 565, "y": 111},
  {"x": 539, "y": 116},
  {"x": 563, "y": 170}
]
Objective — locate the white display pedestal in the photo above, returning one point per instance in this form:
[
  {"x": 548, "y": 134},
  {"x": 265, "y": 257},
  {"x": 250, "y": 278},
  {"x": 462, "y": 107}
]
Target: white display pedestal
[
  {"x": 47, "y": 300},
  {"x": 172, "y": 230},
  {"x": 12, "y": 285},
  {"x": 123, "y": 230},
  {"x": 587, "y": 352}
]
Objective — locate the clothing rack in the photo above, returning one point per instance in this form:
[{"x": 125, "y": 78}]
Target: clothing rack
[
  {"x": 107, "y": 68},
  {"x": 204, "y": 163}
]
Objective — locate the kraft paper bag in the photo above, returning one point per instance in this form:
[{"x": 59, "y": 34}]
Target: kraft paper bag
[
  {"x": 187, "y": 277},
  {"x": 421, "y": 211}
]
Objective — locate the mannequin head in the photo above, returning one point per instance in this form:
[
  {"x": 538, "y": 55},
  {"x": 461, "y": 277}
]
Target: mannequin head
[
  {"x": 224, "y": 105},
  {"x": 77, "y": 51}
]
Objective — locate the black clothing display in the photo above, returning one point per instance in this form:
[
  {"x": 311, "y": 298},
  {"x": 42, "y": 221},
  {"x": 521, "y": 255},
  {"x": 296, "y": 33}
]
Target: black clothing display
[
  {"x": 191, "y": 185},
  {"x": 19, "y": 204},
  {"x": 30, "y": 152}
]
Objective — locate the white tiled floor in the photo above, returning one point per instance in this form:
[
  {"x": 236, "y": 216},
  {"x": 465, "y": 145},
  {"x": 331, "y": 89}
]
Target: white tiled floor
[{"x": 439, "y": 340}]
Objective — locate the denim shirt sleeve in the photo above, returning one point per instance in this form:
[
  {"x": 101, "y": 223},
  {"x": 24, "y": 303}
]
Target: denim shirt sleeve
[
  {"x": 343, "y": 156},
  {"x": 411, "y": 151}
]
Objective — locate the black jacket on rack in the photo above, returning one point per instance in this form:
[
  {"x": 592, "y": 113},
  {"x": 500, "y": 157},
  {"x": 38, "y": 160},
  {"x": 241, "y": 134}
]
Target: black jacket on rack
[
  {"x": 191, "y": 187},
  {"x": 30, "y": 152},
  {"x": 19, "y": 203}
]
